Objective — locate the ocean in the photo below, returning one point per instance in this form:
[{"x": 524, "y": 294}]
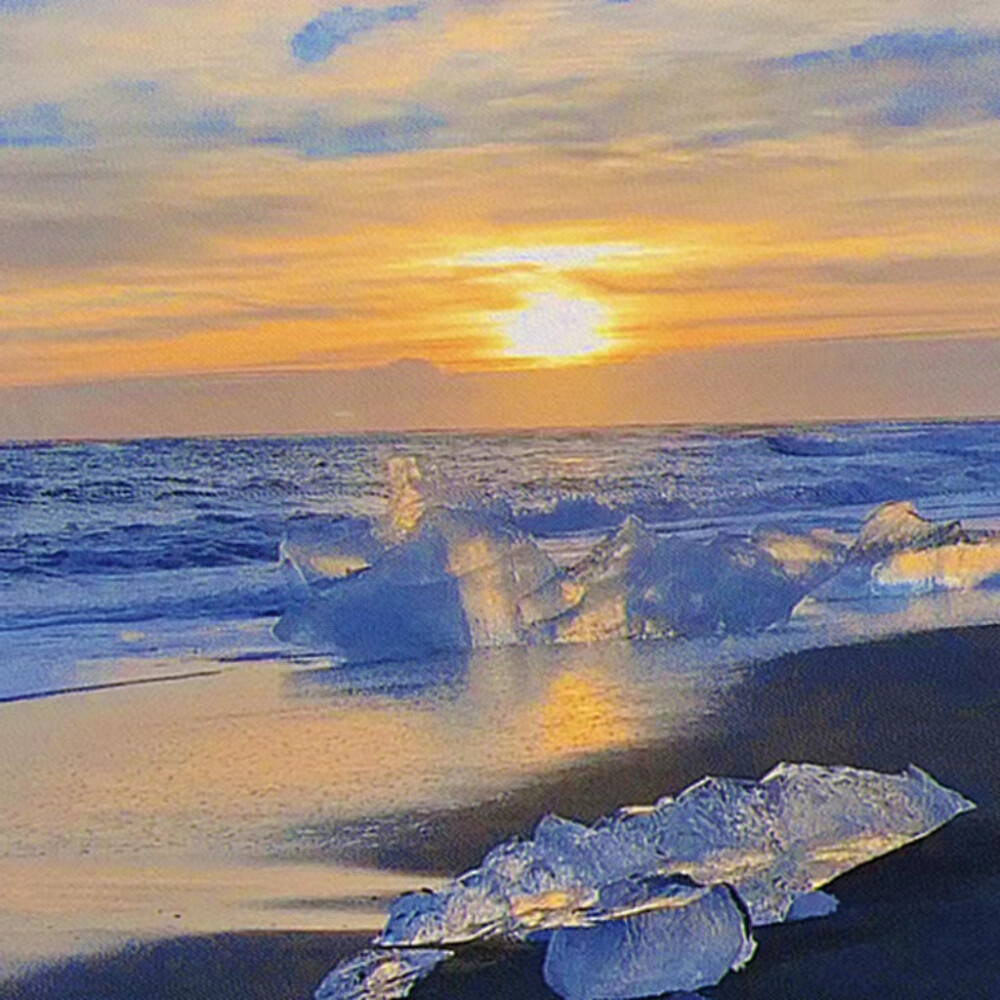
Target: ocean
[
  {"x": 171, "y": 771},
  {"x": 118, "y": 556}
]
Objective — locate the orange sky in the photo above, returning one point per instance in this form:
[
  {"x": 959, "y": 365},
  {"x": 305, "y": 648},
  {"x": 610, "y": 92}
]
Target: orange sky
[{"x": 215, "y": 190}]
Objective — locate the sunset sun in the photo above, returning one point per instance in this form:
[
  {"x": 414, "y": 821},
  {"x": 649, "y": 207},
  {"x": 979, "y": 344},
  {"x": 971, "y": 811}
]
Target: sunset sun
[{"x": 555, "y": 327}]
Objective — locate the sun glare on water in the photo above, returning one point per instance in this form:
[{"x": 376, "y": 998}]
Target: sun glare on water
[{"x": 555, "y": 327}]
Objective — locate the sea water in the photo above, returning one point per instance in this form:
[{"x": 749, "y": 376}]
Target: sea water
[{"x": 122, "y": 560}]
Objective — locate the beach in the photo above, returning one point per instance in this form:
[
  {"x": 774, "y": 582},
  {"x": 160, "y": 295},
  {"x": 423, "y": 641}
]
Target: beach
[{"x": 317, "y": 828}]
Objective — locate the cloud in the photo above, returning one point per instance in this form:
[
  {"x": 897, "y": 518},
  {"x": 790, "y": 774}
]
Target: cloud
[
  {"x": 315, "y": 135},
  {"x": 322, "y": 36},
  {"x": 900, "y": 46},
  {"x": 898, "y": 80},
  {"x": 33, "y": 126},
  {"x": 21, "y": 6}
]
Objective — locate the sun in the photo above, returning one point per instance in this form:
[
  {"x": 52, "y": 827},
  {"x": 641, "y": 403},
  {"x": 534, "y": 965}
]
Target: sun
[{"x": 555, "y": 327}]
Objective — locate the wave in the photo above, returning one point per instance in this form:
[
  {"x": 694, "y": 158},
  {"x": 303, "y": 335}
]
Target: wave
[
  {"x": 813, "y": 446},
  {"x": 207, "y": 540}
]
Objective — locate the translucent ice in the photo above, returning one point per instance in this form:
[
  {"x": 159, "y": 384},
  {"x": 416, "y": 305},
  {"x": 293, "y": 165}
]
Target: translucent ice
[
  {"x": 896, "y": 526},
  {"x": 653, "y": 952},
  {"x": 380, "y": 974},
  {"x": 773, "y": 840},
  {"x": 321, "y": 548},
  {"x": 661, "y": 898},
  {"x": 794, "y": 831},
  {"x": 636, "y": 584},
  {"x": 962, "y": 566},
  {"x": 898, "y": 552},
  {"x": 435, "y": 579},
  {"x": 456, "y": 581}
]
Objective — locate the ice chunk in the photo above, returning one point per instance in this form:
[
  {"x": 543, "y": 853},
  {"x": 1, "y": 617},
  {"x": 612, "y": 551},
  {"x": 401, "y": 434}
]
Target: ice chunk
[
  {"x": 896, "y": 526},
  {"x": 810, "y": 557},
  {"x": 772, "y": 840},
  {"x": 365, "y": 619},
  {"x": 495, "y": 566},
  {"x": 380, "y": 974},
  {"x": 795, "y": 830},
  {"x": 406, "y": 496},
  {"x": 963, "y": 566},
  {"x": 321, "y": 548},
  {"x": 663, "y": 898},
  {"x": 638, "y": 585},
  {"x": 900, "y": 553},
  {"x": 455, "y": 582},
  {"x": 659, "y": 951}
]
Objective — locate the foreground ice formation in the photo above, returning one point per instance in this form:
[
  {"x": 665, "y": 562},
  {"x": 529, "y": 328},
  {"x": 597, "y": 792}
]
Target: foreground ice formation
[{"x": 659, "y": 899}]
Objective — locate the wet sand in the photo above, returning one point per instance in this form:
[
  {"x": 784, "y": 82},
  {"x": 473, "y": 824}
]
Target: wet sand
[{"x": 921, "y": 924}]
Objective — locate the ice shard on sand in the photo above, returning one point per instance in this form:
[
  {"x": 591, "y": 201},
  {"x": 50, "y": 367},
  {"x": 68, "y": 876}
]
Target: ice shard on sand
[{"x": 658, "y": 899}]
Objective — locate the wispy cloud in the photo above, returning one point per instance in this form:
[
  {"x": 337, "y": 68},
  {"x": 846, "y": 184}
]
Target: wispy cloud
[
  {"x": 315, "y": 135},
  {"x": 901, "y": 46},
  {"x": 21, "y": 6},
  {"x": 322, "y": 36},
  {"x": 33, "y": 126},
  {"x": 891, "y": 81}
]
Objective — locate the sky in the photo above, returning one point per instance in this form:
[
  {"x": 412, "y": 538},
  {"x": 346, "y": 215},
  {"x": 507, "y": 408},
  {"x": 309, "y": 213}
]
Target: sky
[{"x": 232, "y": 216}]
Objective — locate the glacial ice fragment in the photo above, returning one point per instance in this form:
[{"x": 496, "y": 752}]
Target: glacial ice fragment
[
  {"x": 900, "y": 553},
  {"x": 795, "y": 830},
  {"x": 773, "y": 840},
  {"x": 636, "y": 584},
  {"x": 961, "y": 566},
  {"x": 433, "y": 579},
  {"x": 329, "y": 548},
  {"x": 455, "y": 582},
  {"x": 380, "y": 974},
  {"x": 653, "y": 952},
  {"x": 662, "y": 898},
  {"x": 896, "y": 525}
]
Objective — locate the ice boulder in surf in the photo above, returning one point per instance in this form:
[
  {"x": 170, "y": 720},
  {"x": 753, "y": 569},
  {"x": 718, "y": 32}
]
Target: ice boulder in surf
[
  {"x": 329, "y": 548},
  {"x": 897, "y": 526},
  {"x": 636, "y": 584},
  {"x": 454, "y": 582},
  {"x": 900, "y": 552},
  {"x": 467, "y": 578},
  {"x": 963, "y": 565},
  {"x": 809, "y": 558},
  {"x": 661, "y": 898}
]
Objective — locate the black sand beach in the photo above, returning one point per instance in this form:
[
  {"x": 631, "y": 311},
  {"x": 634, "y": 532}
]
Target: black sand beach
[{"x": 920, "y": 924}]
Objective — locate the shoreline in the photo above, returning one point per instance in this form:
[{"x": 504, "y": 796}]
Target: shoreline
[{"x": 923, "y": 922}]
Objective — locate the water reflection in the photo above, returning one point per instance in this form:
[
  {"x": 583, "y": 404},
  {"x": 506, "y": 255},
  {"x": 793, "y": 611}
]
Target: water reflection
[{"x": 500, "y": 717}]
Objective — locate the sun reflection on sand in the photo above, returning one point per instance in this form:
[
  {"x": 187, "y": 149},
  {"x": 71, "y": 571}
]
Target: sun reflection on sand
[
  {"x": 195, "y": 796},
  {"x": 222, "y": 764},
  {"x": 581, "y": 715}
]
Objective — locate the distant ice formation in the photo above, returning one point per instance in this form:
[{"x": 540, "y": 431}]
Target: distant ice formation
[
  {"x": 659, "y": 899},
  {"x": 442, "y": 579},
  {"x": 431, "y": 578},
  {"x": 900, "y": 553}
]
